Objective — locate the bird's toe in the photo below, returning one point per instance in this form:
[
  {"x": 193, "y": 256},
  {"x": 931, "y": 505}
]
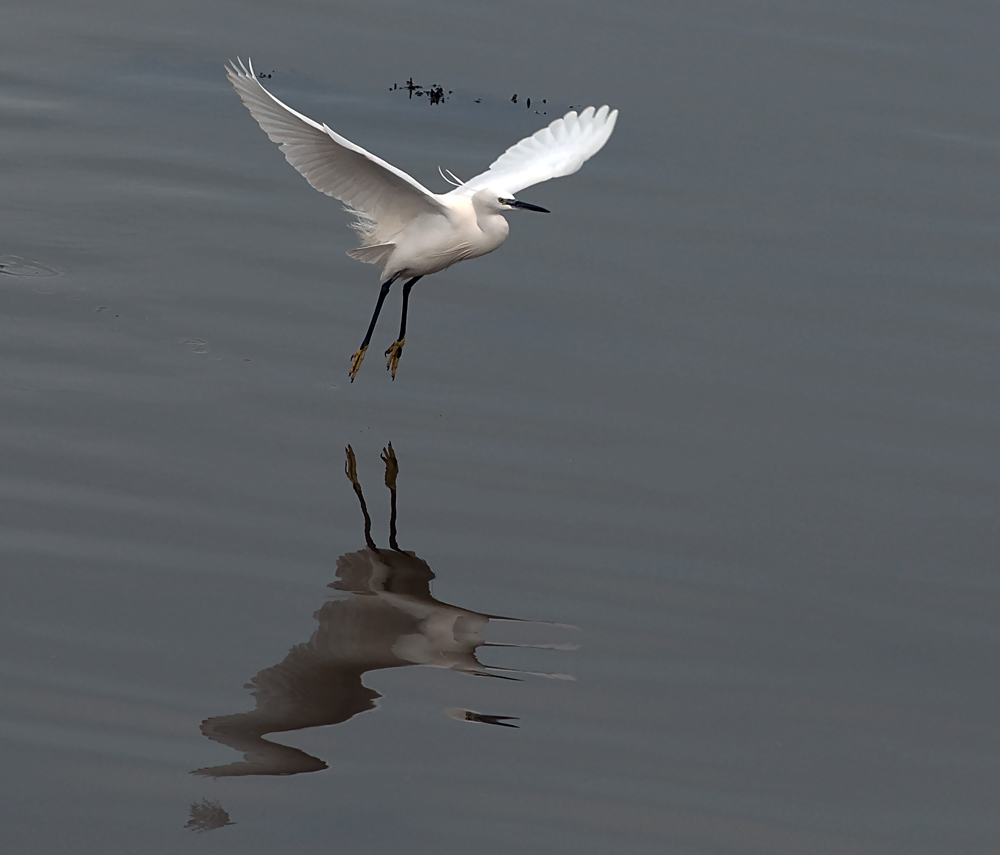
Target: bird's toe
[
  {"x": 394, "y": 352},
  {"x": 356, "y": 361}
]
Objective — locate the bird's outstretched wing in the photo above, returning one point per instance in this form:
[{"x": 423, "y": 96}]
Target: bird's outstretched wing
[
  {"x": 385, "y": 198},
  {"x": 560, "y": 149}
]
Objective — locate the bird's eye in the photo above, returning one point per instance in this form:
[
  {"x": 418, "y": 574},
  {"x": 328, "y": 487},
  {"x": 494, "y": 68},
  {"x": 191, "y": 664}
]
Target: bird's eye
[{"x": 500, "y": 200}]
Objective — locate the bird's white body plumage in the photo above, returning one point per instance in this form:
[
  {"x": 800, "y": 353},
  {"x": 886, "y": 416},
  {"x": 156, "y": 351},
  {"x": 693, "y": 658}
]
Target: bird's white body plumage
[{"x": 405, "y": 228}]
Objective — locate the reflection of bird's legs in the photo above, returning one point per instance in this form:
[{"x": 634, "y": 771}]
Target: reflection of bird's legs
[
  {"x": 391, "y": 471},
  {"x": 359, "y": 354},
  {"x": 396, "y": 348},
  {"x": 351, "y": 470}
]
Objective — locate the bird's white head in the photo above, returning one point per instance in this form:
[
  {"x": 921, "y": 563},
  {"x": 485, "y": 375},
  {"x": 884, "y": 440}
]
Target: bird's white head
[{"x": 495, "y": 202}]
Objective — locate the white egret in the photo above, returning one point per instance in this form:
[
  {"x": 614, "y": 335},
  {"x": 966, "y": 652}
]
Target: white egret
[{"x": 405, "y": 229}]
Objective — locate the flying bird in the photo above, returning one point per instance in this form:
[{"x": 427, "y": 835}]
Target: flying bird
[{"x": 405, "y": 229}]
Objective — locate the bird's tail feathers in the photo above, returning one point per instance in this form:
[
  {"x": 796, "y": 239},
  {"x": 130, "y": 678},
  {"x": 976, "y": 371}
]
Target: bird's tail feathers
[{"x": 378, "y": 254}]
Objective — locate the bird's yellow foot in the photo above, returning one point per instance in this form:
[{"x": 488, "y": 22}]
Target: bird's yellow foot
[
  {"x": 391, "y": 467},
  {"x": 356, "y": 361},
  {"x": 394, "y": 352}
]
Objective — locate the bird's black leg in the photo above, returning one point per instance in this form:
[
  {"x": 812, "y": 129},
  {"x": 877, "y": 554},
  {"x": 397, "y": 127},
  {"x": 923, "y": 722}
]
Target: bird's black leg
[
  {"x": 406, "y": 300},
  {"x": 360, "y": 353},
  {"x": 396, "y": 348}
]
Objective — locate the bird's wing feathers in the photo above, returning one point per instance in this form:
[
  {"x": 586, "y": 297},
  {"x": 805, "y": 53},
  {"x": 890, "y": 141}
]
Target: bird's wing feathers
[
  {"x": 560, "y": 149},
  {"x": 385, "y": 197}
]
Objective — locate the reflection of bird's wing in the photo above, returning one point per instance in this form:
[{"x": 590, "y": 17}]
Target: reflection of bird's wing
[
  {"x": 560, "y": 149},
  {"x": 260, "y": 756},
  {"x": 335, "y": 166}
]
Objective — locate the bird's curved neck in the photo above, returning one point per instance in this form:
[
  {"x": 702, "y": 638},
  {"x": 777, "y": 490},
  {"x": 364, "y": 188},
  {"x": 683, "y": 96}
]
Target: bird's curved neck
[{"x": 491, "y": 223}]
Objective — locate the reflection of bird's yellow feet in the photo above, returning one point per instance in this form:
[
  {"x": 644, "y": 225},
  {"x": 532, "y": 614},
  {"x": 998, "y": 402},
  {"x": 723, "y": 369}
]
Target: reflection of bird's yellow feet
[
  {"x": 394, "y": 352},
  {"x": 351, "y": 467},
  {"x": 356, "y": 360},
  {"x": 391, "y": 467}
]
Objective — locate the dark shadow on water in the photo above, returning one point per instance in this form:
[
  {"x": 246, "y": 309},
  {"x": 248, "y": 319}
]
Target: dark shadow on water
[{"x": 385, "y": 618}]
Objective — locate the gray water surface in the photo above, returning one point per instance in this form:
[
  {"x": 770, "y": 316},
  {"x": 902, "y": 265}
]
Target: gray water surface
[{"x": 719, "y": 432}]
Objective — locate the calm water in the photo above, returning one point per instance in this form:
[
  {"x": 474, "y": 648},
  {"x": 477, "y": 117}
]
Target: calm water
[{"x": 720, "y": 432}]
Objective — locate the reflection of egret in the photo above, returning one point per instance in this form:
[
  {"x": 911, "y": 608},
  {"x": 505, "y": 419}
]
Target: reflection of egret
[
  {"x": 405, "y": 229},
  {"x": 386, "y": 619}
]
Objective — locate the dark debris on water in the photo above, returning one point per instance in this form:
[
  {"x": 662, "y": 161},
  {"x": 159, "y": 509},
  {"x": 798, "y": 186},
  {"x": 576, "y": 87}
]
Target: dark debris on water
[
  {"x": 208, "y": 815},
  {"x": 437, "y": 94}
]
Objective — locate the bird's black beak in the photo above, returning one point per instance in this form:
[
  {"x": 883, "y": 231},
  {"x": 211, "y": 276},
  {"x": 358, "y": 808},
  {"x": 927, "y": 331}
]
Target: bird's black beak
[{"x": 516, "y": 203}]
